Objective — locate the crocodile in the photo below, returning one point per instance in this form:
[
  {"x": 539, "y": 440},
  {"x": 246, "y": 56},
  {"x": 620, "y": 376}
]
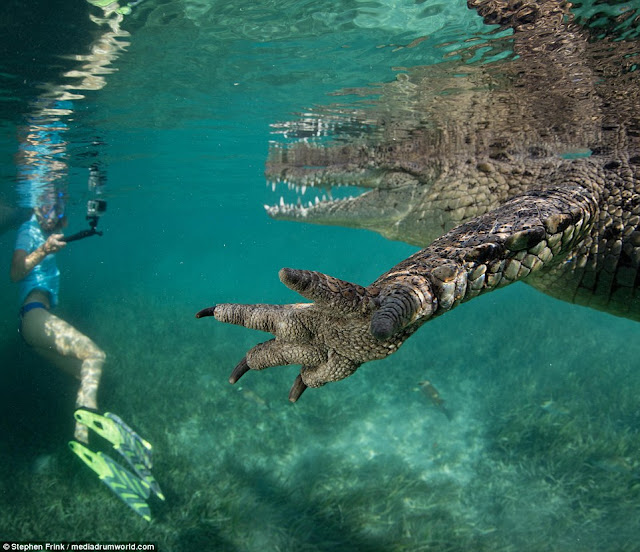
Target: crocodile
[{"x": 525, "y": 169}]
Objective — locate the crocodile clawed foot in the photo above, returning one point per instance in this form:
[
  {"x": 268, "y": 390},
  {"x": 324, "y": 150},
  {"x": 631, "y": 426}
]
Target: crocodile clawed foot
[{"x": 328, "y": 338}]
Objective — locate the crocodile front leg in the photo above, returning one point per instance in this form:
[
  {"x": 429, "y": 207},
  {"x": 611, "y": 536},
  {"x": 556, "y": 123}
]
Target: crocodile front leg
[{"x": 347, "y": 325}]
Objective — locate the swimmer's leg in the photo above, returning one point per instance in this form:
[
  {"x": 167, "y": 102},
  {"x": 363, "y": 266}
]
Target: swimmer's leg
[{"x": 71, "y": 351}]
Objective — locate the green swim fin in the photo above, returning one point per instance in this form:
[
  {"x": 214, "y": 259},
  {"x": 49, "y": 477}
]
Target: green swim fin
[
  {"x": 135, "y": 450},
  {"x": 132, "y": 490}
]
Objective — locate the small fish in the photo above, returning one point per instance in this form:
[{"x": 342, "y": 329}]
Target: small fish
[
  {"x": 551, "y": 407},
  {"x": 432, "y": 393},
  {"x": 620, "y": 465},
  {"x": 253, "y": 397}
]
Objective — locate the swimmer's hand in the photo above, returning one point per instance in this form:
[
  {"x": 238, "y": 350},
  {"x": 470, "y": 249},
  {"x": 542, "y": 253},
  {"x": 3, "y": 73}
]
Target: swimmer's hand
[
  {"x": 22, "y": 262},
  {"x": 53, "y": 244}
]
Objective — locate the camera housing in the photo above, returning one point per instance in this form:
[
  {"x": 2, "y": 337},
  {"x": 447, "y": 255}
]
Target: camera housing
[{"x": 96, "y": 207}]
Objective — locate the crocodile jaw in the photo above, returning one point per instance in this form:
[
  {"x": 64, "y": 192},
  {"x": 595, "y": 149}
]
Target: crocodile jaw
[{"x": 380, "y": 208}]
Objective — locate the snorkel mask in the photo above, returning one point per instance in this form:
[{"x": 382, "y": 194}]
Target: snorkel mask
[{"x": 51, "y": 212}]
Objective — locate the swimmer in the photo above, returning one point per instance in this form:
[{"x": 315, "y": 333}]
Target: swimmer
[{"x": 34, "y": 267}]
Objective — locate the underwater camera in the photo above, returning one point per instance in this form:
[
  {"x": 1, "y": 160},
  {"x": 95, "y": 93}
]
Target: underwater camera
[{"x": 96, "y": 208}]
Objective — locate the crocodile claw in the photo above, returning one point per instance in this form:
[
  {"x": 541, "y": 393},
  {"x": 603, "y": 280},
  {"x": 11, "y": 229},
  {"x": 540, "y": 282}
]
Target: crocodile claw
[
  {"x": 206, "y": 312},
  {"x": 240, "y": 370},
  {"x": 297, "y": 389}
]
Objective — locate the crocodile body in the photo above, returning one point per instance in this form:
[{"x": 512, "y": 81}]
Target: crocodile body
[{"x": 529, "y": 172}]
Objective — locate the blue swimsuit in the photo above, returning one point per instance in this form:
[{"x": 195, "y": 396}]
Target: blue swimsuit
[{"x": 46, "y": 275}]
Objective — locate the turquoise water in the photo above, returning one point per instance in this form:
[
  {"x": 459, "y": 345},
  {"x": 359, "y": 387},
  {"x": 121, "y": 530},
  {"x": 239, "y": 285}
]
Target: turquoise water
[{"x": 542, "y": 452}]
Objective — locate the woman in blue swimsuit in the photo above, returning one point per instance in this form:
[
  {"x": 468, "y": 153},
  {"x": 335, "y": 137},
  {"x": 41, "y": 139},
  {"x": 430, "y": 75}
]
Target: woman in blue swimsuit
[{"x": 34, "y": 267}]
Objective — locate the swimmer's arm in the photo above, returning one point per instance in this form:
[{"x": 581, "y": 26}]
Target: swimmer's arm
[{"x": 22, "y": 262}]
